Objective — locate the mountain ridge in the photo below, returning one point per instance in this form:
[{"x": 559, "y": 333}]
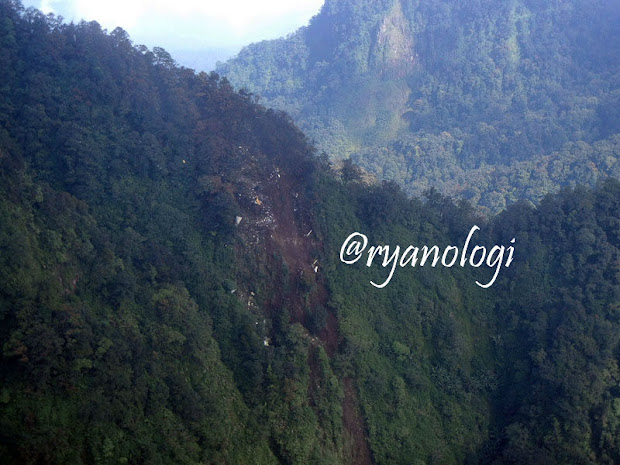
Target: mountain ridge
[
  {"x": 171, "y": 289},
  {"x": 510, "y": 84}
]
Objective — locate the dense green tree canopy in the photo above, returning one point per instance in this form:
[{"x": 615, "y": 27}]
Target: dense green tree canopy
[
  {"x": 171, "y": 289},
  {"x": 492, "y": 101}
]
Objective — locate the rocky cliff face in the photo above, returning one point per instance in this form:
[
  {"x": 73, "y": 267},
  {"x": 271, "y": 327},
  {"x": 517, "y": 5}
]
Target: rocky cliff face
[{"x": 393, "y": 49}]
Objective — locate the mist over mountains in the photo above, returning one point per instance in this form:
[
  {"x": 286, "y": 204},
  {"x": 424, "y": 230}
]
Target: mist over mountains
[{"x": 493, "y": 102}]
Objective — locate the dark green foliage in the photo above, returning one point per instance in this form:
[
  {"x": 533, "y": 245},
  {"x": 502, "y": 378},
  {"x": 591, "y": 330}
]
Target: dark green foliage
[
  {"x": 171, "y": 291},
  {"x": 564, "y": 332},
  {"x": 115, "y": 254}
]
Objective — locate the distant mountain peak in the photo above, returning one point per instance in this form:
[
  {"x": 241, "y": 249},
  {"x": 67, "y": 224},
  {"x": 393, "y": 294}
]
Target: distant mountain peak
[{"x": 473, "y": 98}]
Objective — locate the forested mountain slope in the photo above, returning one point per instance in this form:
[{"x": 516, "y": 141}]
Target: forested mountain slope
[
  {"x": 171, "y": 289},
  {"x": 491, "y": 101}
]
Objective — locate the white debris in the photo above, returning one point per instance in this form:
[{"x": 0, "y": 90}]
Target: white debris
[
  {"x": 238, "y": 220},
  {"x": 309, "y": 232},
  {"x": 266, "y": 342}
]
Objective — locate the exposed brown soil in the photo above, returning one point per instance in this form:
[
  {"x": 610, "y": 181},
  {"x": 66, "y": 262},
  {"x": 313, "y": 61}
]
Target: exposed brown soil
[
  {"x": 329, "y": 334},
  {"x": 356, "y": 443},
  {"x": 278, "y": 226}
]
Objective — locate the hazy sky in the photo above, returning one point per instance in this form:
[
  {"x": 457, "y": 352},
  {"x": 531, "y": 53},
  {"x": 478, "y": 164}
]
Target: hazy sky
[{"x": 190, "y": 25}]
